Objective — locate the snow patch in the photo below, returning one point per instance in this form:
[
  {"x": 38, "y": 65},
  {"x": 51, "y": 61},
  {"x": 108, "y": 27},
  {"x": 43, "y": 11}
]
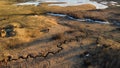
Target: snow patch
[
  {"x": 29, "y": 3},
  {"x": 67, "y": 3}
]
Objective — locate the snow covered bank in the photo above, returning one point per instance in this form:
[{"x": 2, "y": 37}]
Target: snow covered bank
[{"x": 67, "y": 3}]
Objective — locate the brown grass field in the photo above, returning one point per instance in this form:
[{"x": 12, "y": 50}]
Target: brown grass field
[{"x": 30, "y": 38}]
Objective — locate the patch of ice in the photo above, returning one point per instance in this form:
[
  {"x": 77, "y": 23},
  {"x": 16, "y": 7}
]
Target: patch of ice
[
  {"x": 97, "y": 21},
  {"x": 80, "y": 2},
  {"x": 87, "y": 55},
  {"x": 99, "y": 6},
  {"x": 118, "y": 5},
  {"x": 67, "y": 3},
  {"x": 80, "y": 20},
  {"x": 69, "y": 17},
  {"x": 109, "y": 3},
  {"x": 104, "y": 3},
  {"x": 102, "y": 22},
  {"x": 60, "y": 15},
  {"x": 113, "y": 2},
  {"x": 29, "y": 3},
  {"x": 49, "y": 0}
]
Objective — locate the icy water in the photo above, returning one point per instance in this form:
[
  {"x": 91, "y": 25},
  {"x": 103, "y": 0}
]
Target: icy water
[
  {"x": 81, "y": 20},
  {"x": 67, "y": 3}
]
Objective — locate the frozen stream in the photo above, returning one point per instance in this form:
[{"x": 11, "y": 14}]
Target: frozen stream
[{"x": 81, "y": 20}]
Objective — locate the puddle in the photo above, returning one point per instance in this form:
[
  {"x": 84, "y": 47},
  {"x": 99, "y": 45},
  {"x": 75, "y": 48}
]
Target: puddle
[
  {"x": 66, "y": 3},
  {"x": 80, "y": 20}
]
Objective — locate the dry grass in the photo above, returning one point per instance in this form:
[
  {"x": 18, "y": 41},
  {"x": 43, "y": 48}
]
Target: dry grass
[
  {"x": 80, "y": 11},
  {"x": 8, "y": 8},
  {"x": 69, "y": 8},
  {"x": 31, "y": 25},
  {"x": 5, "y": 3},
  {"x": 12, "y": 10},
  {"x": 85, "y": 11},
  {"x": 24, "y": 16},
  {"x": 28, "y": 33}
]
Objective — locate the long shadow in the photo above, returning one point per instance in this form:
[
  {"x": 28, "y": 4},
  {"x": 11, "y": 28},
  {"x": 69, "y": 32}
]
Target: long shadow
[
  {"x": 37, "y": 41},
  {"x": 21, "y": 14},
  {"x": 58, "y": 55},
  {"x": 97, "y": 56}
]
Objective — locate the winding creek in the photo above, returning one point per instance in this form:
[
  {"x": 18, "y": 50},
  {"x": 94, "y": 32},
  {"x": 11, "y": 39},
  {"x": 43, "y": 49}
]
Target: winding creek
[
  {"x": 80, "y": 20},
  {"x": 64, "y": 3}
]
